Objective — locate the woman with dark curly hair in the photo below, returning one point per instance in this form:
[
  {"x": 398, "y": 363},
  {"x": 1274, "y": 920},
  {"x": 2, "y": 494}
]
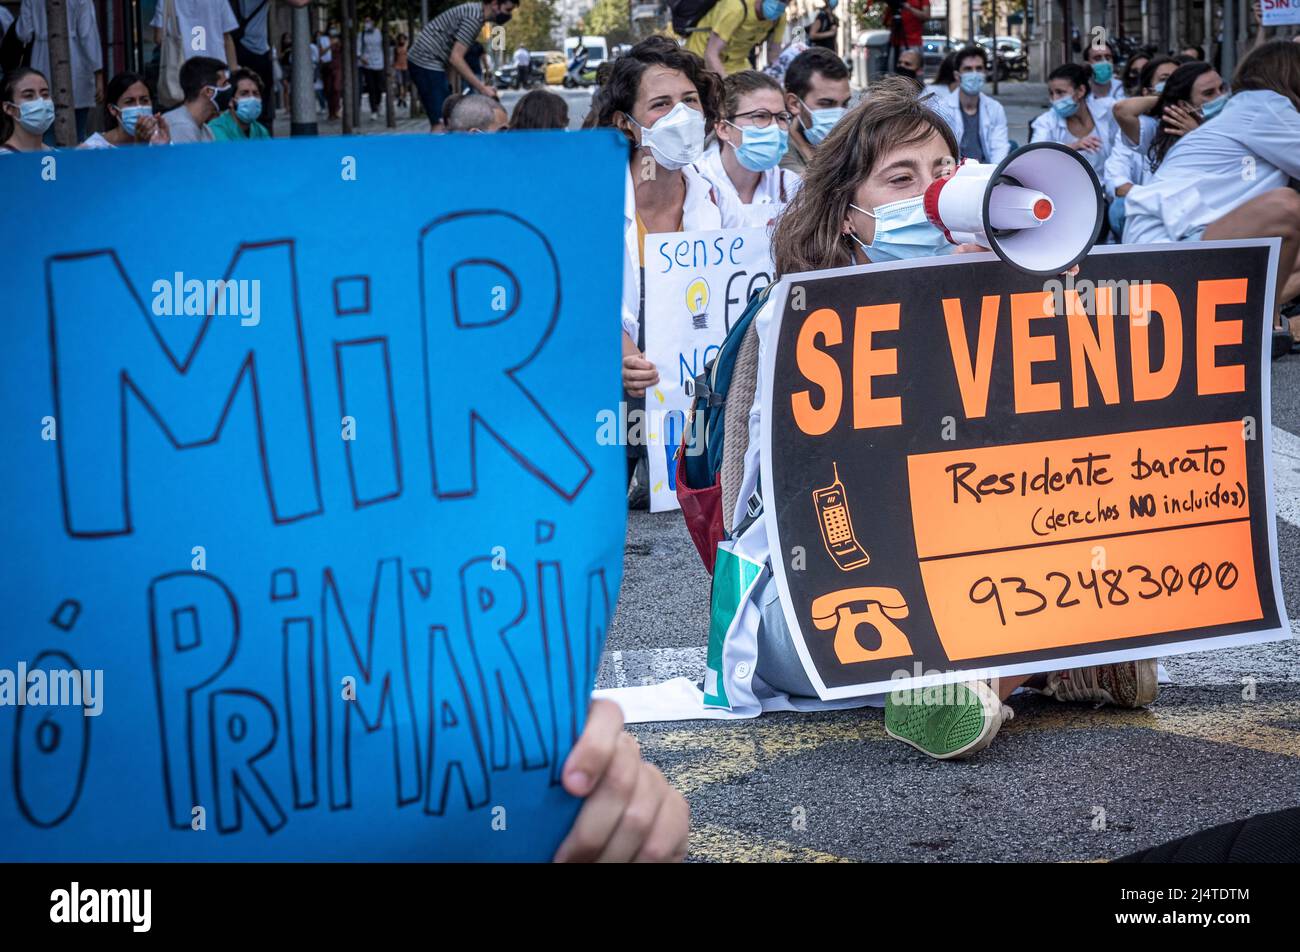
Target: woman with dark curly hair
[
  {"x": 862, "y": 203},
  {"x": 664, "y": 101}
]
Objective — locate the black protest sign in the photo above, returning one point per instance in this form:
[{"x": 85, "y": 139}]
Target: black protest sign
[{"x": 969, "y": 471}]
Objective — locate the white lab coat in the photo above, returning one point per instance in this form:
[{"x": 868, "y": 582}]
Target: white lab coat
[
  {"x": 1128, "y": 162},
  {"x": 1049, "y": 127},
  {"x": 993, "y": 122},
  {"x": 83, "y": 39},
  {"x": 1251, "y": 147},
  {"x": 700, "y": 212},
  {"x": 1124, "y": 166},
  {"x": 776, "y": 187}
]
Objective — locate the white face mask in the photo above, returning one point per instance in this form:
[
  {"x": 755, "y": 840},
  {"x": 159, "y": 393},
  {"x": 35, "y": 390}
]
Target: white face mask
[{"x": 676, "y": 139}]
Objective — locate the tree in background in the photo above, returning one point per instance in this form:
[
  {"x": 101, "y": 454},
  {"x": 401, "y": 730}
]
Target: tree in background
[
  {"x": 611, "y": 19},
  {"x": 533, "y": 26}
]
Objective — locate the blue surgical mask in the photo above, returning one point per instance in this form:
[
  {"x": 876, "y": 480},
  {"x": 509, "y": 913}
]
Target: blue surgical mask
[
  {"x": 1102, "y": 72},
  {"x": 36, "y": 115},
  {"x": 131, "y": 116},
  {"x": 772, "y": 9},
  {"x": 1159, "y": 87},
  {"x": 761, "y": 149},
  {"x": 823, "y": 121},
  {"x": 1212, "y": 108},
  {"x": 1065, "y": 107},
  {"x": 248, "y": 109},
  {"x": 972, "y": 83},
  {"x": 903, "y": 232}
]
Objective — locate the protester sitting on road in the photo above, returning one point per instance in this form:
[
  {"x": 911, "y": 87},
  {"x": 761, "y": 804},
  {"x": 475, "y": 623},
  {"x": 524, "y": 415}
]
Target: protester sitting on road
[
  {"x": 663, "y": 99},
  {"x": 1133, "y": 73},
  {"x": 443, "y": 44},
  {"x": 1151, "y": 81},
  {"x": 910, "y": 65},
  {"x": 728, "y": 32},
  {"x": 867, "y": 181},
  {"x": 1149, "y": 125},
  {"x": 448, "y": 105},
  {"x": 27, "y": 111},
  {"x": 476, "y": 113},
  {"x": 977, "y": 120},
  {"x": 1193, "y": 93},
  {"x": 203, "y": 80},
  {"x": 239, "y": 121},
  {"x": 742, "y": 163},
  {"x": 1202, "y": 191},
  {"x": 1103, "y": 84},
  {"x": 817, "y": 94},
  {"x": 1071, "y": 120},
  {"x": 540, "y": 109},
  {"x": 128, "y": 116},
  {"x": 946, "y": 76}
]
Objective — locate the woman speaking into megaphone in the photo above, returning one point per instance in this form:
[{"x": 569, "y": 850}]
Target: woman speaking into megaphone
[{"x": 862, "y": 202}]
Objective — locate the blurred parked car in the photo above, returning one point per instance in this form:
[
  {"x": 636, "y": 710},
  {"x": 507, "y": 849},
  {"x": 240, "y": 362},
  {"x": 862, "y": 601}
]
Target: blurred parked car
[
  {"x": 1013, "y": 60},
  {"x": 554, "y": 67}
]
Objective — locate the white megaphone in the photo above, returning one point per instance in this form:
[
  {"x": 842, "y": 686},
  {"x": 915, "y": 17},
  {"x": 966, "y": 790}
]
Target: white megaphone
[{"x": 1040, "y": 208}]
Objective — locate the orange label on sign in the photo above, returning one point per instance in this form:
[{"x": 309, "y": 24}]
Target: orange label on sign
[
  {"x": 1002, "y": 497},
  {"x": 1052, "y": 544}
]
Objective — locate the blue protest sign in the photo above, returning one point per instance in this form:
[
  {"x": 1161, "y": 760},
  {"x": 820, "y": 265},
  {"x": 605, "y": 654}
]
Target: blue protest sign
[{"x": 310, "y": 543}]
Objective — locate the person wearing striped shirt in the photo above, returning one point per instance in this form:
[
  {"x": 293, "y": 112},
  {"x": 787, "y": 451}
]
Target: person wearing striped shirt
[{"x": 441, "y": 47}]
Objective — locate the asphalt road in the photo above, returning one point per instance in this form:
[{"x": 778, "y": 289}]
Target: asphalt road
[{"x": 833, "y": 786}]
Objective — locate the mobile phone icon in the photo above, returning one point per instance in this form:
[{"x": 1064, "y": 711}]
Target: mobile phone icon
[{"x": 837, "y": 525}]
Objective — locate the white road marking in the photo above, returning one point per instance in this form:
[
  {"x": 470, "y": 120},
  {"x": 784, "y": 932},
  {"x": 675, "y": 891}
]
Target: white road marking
[
  {"x": 1286, "y": 475},
  {"x": 620, "y": 677}
]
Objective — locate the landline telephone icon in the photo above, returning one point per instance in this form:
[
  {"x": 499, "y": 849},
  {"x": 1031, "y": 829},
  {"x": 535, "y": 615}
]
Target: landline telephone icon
[
  {"x": 837, "y": 526},
  {"x": 850, "y": 608}
]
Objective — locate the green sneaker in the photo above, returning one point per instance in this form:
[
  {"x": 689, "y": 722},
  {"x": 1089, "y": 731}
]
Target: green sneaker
[{"x": 963, "y": 721}]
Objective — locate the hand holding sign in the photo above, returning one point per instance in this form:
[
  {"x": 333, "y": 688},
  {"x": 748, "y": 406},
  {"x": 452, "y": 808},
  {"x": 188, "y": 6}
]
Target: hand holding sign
[
  {"x": 1280, "y": 12},
  {"x": 630, "y": 813}
]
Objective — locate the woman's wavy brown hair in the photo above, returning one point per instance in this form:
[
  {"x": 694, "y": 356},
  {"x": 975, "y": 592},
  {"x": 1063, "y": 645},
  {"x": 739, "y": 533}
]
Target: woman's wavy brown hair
[
  {"x": 807, "y": 235},
  {"x": 619, "y": 94},
  {"x": 1274, "y": 66}
]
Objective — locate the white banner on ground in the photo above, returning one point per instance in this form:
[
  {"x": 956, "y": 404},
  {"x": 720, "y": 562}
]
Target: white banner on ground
[
  {"x": 696, "y": 284},
  {"x": 1280, "y": 12}
]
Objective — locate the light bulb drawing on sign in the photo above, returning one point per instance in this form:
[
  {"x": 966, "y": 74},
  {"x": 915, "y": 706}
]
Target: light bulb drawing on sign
[{"x": 697, "y": 303}]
